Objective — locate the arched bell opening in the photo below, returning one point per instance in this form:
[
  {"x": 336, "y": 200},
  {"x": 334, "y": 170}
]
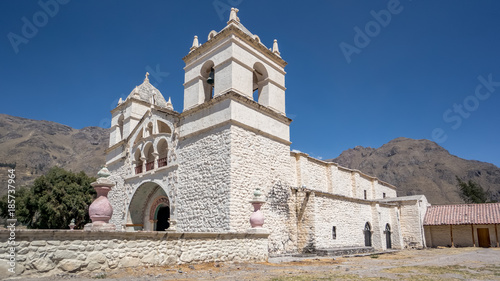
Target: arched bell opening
[
  {"x": 208, "y": 77},
  {"x": 260, "y": 80},
  {"x": 120, "y": 127}
]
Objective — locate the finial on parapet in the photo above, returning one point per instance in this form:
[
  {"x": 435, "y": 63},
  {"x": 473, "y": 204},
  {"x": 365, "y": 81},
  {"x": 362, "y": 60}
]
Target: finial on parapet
[
  {"x": 195, "y": 44},
  {"x": 169, "y": 104},
  {"x": 275, "y": 48},
  {"x": 233, "y": 16},
  {"x": 147, "y": 78}
]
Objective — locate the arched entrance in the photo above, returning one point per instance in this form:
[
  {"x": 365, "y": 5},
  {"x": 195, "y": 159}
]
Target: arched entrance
[
  {"x": 388, "y": 241},
  {"x": 368, "y": 235},
  {"x": 159, "y": 213},
  {"x": 162, "y": 218},
  {"x": 149, "y": 209}
]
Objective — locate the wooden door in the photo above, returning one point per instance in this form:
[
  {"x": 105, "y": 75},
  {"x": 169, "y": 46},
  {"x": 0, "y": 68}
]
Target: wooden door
[{"x": 483, "y": 237}]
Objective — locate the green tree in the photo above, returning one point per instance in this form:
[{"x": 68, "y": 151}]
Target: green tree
[
  {"x": 472, "y": 192},
  {"x": 53, "y": 200}
]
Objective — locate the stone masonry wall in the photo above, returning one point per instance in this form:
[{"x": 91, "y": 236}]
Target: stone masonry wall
[
  {"x": 329, "y": 177},
  {"x": 58, "y": 251},
  {"x": 258, "y": 161},
  {"x": 348, "y": 217},
  {"x": 203, "y": 196},
  {"x": 411, "y": 224}
]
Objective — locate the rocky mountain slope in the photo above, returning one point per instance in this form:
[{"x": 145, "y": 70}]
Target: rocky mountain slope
[
  {"x": 421, "y": 167},
  {"x": 36, "y": 146}
]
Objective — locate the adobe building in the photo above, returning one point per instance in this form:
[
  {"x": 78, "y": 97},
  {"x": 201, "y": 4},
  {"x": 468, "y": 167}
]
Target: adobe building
[
  {"x": 196, "y": 170},
  {"x": 463, "y": 225}
]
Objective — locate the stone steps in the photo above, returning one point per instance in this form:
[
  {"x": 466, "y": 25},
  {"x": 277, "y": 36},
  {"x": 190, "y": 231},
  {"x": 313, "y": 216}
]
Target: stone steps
[{"x": 344, "y": 251}]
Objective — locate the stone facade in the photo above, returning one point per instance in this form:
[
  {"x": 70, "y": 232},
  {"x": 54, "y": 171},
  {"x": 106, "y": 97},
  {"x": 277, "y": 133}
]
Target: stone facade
[
  {"x": 61, "y": 251},
  {"x": 232, "y": 137}
]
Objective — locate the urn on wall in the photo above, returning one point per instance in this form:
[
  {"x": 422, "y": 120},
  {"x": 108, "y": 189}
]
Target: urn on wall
[
  {"x": 257, "y": 217},
  {"x": 100, "y": 211}
]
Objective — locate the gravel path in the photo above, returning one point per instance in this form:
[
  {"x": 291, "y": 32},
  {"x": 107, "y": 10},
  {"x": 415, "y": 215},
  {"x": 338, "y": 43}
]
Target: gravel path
[{"x": 429, "y": 264}]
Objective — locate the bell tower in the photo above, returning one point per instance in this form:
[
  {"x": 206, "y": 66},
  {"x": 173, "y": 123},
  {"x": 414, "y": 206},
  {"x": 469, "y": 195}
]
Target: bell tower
[
  {"x": 234, "y": 135},
  {"x": 234, "y": 60}
]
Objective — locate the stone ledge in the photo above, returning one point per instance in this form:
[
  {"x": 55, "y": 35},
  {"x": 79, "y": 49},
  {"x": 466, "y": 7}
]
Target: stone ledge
[{"x": 41, "y": 234}]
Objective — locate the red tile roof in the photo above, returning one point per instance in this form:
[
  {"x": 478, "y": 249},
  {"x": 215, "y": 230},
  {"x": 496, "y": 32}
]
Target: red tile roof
[{"x": 463, "y": 214}]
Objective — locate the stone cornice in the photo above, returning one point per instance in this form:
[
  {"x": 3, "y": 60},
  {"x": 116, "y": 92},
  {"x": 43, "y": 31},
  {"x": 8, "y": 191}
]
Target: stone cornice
[
  {"x": 130, "y": 99},
  {"x": 232, "y": 29},
  {"x": 345, "y": 198},
  {"x": 242, "y": 99}
]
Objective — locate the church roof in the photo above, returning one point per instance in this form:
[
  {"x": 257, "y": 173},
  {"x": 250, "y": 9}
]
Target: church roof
[
  {"x": 463, "y": 214},
  {"x": 148, "y": 93}
]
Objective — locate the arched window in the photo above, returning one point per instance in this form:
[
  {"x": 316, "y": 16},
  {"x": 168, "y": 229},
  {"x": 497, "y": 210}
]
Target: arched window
[
  {"x": 162, "y": 149},
  {"x": 150, "y": 159},
  {"x": 388, "y": 241},
  {"x": 368, "y": 234},
  {"x": 138, "y": 161}
]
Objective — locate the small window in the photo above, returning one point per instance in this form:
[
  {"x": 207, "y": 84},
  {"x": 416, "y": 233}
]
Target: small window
[
  {"x": 334, "y": 232},
  {"x": 365, "y": 193},
  {"x": 383, "y": 195}
]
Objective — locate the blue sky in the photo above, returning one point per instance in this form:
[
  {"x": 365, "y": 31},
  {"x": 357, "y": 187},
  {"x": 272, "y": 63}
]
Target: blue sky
[{"x": 359, "y": 72}]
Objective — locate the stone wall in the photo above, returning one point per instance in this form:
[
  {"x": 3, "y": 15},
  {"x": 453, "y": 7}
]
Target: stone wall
[
  {"x": 330, "y": 177},
  {"x": 318, "y": 212},
  {"x": 412, "y": 217},
  {"x": 56, "y": 251},
  {"x": 203, "y": 196},
  {"x": 258, "y": 161}
]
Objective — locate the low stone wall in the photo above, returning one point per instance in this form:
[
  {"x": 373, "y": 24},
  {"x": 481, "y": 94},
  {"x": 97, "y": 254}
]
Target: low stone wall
[{"x": 57, "y": 251}]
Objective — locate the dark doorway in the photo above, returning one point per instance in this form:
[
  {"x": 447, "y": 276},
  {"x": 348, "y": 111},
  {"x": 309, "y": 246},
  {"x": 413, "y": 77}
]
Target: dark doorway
[
  {"x": 162, "y": 222},
  {"x": 388, "y": 241},
  {"x": 483, "y": 237},
  {"x": 368, "y": 235}
]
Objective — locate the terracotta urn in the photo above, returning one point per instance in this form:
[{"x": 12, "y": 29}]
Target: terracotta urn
[
  {"x": 257, "y": 217},
  {"x": 100, "y": 211}
]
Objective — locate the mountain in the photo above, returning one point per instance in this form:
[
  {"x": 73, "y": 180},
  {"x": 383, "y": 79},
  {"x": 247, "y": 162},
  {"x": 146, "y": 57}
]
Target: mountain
[
  {"x": 421, "y": 167},
  {"x": 35, "y": 146}
]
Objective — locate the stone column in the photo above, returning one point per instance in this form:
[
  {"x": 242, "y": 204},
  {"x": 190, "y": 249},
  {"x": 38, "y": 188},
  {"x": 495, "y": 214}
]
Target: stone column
[
  {"x": 100, "y": 210},
  {"x": 156, "y": 155}
]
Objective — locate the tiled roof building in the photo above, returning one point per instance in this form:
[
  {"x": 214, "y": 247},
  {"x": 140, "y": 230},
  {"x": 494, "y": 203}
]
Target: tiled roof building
[{"x": 462, "y": 225}]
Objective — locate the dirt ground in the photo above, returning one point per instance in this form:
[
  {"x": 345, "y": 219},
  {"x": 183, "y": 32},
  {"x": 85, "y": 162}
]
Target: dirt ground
[{"x": 428, "y": 264}]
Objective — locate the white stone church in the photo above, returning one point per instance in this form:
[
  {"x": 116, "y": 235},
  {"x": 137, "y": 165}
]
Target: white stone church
[{"x": 196, "y": 170}]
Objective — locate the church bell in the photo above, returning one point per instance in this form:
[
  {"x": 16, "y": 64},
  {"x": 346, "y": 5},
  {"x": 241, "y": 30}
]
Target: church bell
[{"x": 210, "y": 79}]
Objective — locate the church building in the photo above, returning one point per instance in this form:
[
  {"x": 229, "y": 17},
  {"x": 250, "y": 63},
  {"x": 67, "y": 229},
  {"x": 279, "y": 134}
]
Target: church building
[{"x": 197, "y": 170}]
